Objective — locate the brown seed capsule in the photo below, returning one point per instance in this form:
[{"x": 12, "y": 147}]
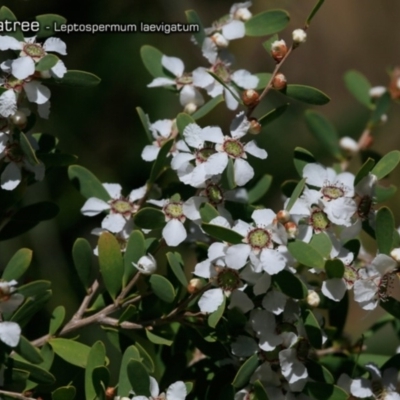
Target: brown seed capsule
[
  {"x": 279, "y": 82},
  {"x": 291, "y": 229},
  {"x": 278, "y": 50},
  {"x": 283, "y": 216},
  {"x": 255, "y": 127},
  {"x": 250, "y": 98},
  {"x": 194, "y": 285}
]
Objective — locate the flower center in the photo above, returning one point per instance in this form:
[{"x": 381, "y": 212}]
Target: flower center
[
  {"x": 350, "y": 276},
  {"x": 228, "y": 279},
  {"x": 203, "y": 154},
  {"x": 14, "y": 153},
  {"x": 122, "y": 206},
  {"x": 174, "y": 210},
  {"x": 233, "y": 148},
  {"x": 259, "y": 238},
  {"x": 214, "y": 194},
  {"x": 331, "y": 192},
  {"x": 34, "y": 50},
  {"x": 386, "y": 286},
  {"x": 185, "y": 79},
  {"x": 364, "y": 207},
  {"x": 13, "y": 83},
  {"x": 318, "y": 219},
  {"x": 222, "y": 71}
]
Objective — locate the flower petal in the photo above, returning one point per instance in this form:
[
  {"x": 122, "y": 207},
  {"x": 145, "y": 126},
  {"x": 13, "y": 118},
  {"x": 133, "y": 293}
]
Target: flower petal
[
  {"x": 176, "y": 391},
  {"x": 252, "y": 148},
  {"x": 237, "y": 255},
  {"x": 245, "y": 79},
  {"x": 94, "y": 206},
  {"x": 234, "y": 30},
  {"x": 10, "y": 43},
  {"x": 173, "y": 64},
  {"x": 8, "y": 103},
  {"x": 36, "y": 92},
  {"x": 243, "y": 171},
  {"x": 23, "y": 67},
  {"x": 59, "y": 69},
  {"x": 150, "y": 152},
  {"x": 56, "y": 45},
  {"x": 174, "y": 233},
  {"x": 10, "y": 333},
  {"x": 211, "y": 300},
  {"x": 114, "y": 223},
  {"x": 113, "y": 189},
  {"x": 11, "y": 177}
]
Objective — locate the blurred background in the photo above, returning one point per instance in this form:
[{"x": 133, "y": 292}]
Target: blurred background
[{"x": 101, "y": 127}]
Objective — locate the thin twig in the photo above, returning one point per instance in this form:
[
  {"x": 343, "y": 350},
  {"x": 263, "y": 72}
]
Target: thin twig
[{"x": 14, "y": 395}]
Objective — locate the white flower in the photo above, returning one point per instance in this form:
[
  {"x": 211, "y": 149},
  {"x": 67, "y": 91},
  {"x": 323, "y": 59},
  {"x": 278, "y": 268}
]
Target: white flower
[
  {"x": 377, "y": 91},
  {"x": 241, "y": 78},
  {"x": 31, "y": 53},
  {"x": 299, "y": 36},
  {"x": 10, "y": 333},
  {"x": 121, "y": 208},
  {"x": 375, "y": 281},
  {"x": 184, "y": 82},
  {"x": 9, "y": 301},
  {"x": 147, "y": 265},
  {"x": 176, "y": 391}
]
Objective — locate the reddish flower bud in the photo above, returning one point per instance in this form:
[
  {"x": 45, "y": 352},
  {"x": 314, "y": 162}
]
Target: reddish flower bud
[
  {"x": 283, "y": 216},
  {"x": 250, "y": 98},
  {"x": 194, "y": 285},
  {"x": 279, "y": 82},
  {"x": 278, "y": 50},
  {"x": 255, "y": 127},
  {"x": 291, "y": 229}
]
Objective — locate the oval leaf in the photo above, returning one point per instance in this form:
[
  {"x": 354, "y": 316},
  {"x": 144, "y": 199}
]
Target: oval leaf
[
  {"x": 161, "y": 161},
  {"x": 139, "y": 378},
  {"x": 386, "y": 164},
  {"x": 18, "y": 265},
  {"x": 78, "y": 78},
  {"x": 57, "y": 318},
  {"x": 149, "y": 218},
  {"x": 162, "y": 288},
  {"x": 96, "y": 358},
  {"x": 176, "y": 264},
  {"x": 245, "y": 372},
  {"x": 359, "y": 86},
  {"x": 158, "y": 339},
  {"x": 306, "y": 254},
  {"x": 82, "y": 255},
  {"x": 307, "y": 94},
  {"x": 290, "y": 285},
  {"x": 72, "y": 352},
  {"x": 384, "y": 230},
  {"x": 49, "y": 24},
  {"x": 296, "y": 194},
  {"x": 314, "y": 333},
  {"x": 221, "y": 233},
  {"x": 64, "y": 393},
  {"x": 124, "y": 385},
  {"x": 267, "y": 23},
  {"x": 135, "y": 248},
  {"x": 151, "y": 58},
  {"x": 259, "y": 189}
]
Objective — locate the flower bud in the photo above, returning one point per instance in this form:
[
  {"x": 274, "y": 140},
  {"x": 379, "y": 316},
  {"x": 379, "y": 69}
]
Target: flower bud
[
  {"x": 395, "y": 254},
  {"x": 147, "y": 265},
  {"x": 19, "y": 119},
  {"x": 291, "y": 229},
  {"x": 110, "y": 392},
  {"x": 220, "y": 40},
  {"x": 394, "y": 86},
  {"x": 250, "y": 98},
  {"x": 283, "y": 216},
  {"x": 377, "y": 91},
  {"x": 279, "y": 82},
  {"x": 190, "y": 108},
  {"x": 313, "y": 298},
  {"x": 278, "y": 50},
  {"x": 242, "y": 14},
  {"x": 349, "y": 145},
  {"x": 299, "y": 36},
  {"x": 255, "y": 127},
  {"x": 194, "y": 285}
]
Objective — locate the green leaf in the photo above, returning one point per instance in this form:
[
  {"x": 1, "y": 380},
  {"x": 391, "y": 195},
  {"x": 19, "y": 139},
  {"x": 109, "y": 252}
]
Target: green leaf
[
  {"x": 324, "y": 391},
  {"x": 47, "y": 23},
  {"x": 151, "y": 58},
  {"x": 128, "y": 313},
  {"x": 318, "y": 372},
  {"x": 82, "y": 254},
  {"x": 149, "y": 218},
  {"x": 46, "y": 63},
  {"x": 18, "y": 265},
  {"x": 29, "y": 352},
  {"x": 78, "y": 78},
  {"x": 384, "y": 193},
  {"x": 7, "y": 15},
  {"x": 36, "y": 373},
  {"x": 96, "y": 358},
  {"x": 384, "y": 229},
  {"x": 228, "y": 176},
  {"x": 146, "y": 358},
  {"x": 32, "y": 289},
  {"x": 359, "y": 86},
  {"x": 161, "y": 160},
  {"x": 176, "y": 264},
  {"x": 139, "y": 378},
  {"x": 267, "y": 23},
  {"x": 324, "y": 132},
  {"x": 259, "y": 189},
  {"x": 162, "y": 288},
  {"x": 245, "y": 372},
  {"x": 273, "y": 115},
  {"x": 72, "y": 352},
  {"x": 57, "y": 318},
  {"x": 226, "y": 86},
  {"x": 263, "y": 80},
  {"x": 354, "y": 246},
  {"x": 298, "y": 190},
  {"x": 87, "y": 183},
  {"x": 313, "y": 12},
  {"x": 57, "y": 159},
  {"x": 381, "y": 108},
  {"x": 28, "y": 217},
  {"x": 216, "y": 316},
  {"x": 208, "y": 212},
  {"x": 124, "y": 385},
  {"x": 223, "y": 234},
  {"x": 208, "y": 107},
  {"x": 307, "y": 94},
  {"x": 27, "y": 149},
  {"x": 334, "y": 268},
  {"x": 111, "y": 263},
  {"x": 306, "y": 254},
  {"x": 182, "y": 121},
  {"x": 386, "y": 164},
  {"x": 322, "y": 244},
  {"x": 364, "y": 170},
  {"x": 135, "y": 249},
  {"x": 289, "y": 284},
  {"x": 393, "y": 362},
  {"x": 313, "y": 329},
  {"x": 64, "y": 393},
  {"x": 193, "y": 18},
  {"x": 144, "y": 119},
  {"x": 100, "y": 380},
  {"x": 302, "y": 157},
  {"x": 158, "y": 339},
  {"x": 259, "y": 391},
  {"x": 268, "y": 43}
]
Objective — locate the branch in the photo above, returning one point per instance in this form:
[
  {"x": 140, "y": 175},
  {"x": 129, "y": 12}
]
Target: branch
[{"x": 14, "y": 395}]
